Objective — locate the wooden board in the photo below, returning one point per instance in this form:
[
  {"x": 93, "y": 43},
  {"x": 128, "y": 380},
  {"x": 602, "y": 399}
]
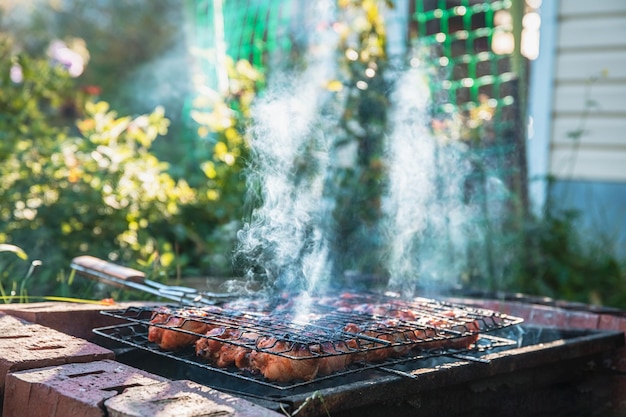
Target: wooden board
[
  {"x": 605, "y": 32},
  {"x": 588, "y": 164},
  {"x": 597, "y": 131},
  {"x": 586, "y": 7},
  {"x": 581, "y": 66},
  {"x": 607, "y": 98}
]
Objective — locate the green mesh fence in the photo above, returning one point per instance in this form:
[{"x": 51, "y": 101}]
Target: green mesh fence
[
  {"x": 252, "y": 30},
  {"x": 464, "y": 33},
  {"x": 481, "y": 87},
  {"x": 479, "y": 83}
]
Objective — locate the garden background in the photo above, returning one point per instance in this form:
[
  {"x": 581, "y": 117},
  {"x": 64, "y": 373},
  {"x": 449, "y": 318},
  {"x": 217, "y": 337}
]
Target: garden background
[{"x": 108, "y": 149}]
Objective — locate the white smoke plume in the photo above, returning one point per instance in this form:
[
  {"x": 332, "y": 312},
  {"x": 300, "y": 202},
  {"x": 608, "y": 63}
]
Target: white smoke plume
[
  {"x": 286, "y": 236},
  {"x": 428, "y": 222},
  {"x": 427, "y": 219}
]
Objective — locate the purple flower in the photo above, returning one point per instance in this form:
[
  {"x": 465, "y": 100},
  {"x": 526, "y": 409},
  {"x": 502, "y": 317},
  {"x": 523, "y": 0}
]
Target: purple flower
[
  {"x": 16, "y": 73},
  {"x": 69, "y": 59}
]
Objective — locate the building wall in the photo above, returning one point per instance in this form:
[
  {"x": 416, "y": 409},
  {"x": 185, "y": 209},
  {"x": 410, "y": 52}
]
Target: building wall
[
  {"x": 578, "y": 105},
  {"x": 588, "y": 140}
]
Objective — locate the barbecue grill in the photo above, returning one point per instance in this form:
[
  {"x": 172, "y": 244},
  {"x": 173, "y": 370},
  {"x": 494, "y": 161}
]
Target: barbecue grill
[
  {"x": 324, "y": 335},
  {"x": 436, "y": 375},
  {"x": 454, "y": 383}
]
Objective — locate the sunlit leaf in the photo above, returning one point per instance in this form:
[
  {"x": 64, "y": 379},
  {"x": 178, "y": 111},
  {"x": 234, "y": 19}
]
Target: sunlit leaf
[
  {"x": 167, "y": 259},
  {"x": 203, "y": 131},
  {"x": 334, "y": 85},
  {"x": 4, "y": 247},
  {"x": 212, "y": 195}
]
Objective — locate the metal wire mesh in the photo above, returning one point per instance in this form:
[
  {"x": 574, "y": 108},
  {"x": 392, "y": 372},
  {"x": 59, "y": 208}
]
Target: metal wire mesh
[
  {"x": 245, "y": 29},
  {"x": 361, "y": 323},
  {"x": 464, "y": 30},
  {"x": 361, "y": 331}
]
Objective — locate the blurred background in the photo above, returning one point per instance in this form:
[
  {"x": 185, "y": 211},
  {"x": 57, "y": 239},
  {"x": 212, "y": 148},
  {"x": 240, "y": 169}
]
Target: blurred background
[{"x": 125, "y": 132}]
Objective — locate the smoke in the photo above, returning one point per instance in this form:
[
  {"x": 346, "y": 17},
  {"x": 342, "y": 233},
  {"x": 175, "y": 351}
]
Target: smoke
[
  {"x": 285, "y": 233},
  {"x": 163, "y": 81},
  {"x": 285, "y": 241},
  {"x": 426, "y": 226},
  {"x": 427, "y": 219}
]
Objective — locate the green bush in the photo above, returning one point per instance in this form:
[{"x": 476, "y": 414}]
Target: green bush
[
  {"x": 99, "y": 189},
  {"x": 558, "y": 260}
]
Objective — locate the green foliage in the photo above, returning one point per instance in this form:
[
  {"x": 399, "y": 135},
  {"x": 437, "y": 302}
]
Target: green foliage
[
  {"x": 222, "y": 122},
  {"x": 64, "y": 195},
  {"x": 45, "y": 203},
  {"x": 135, "y": 53},
  {"x": 561, "y": 261},
  {"x": 118, "y": 190},
  {"x": 31, "y": 127},
  {"x": 363, "y": 123},
  {"x": 100, "y": 189},
  {"x": 208, "y": 225},
  {"x": 14, "y": 273}
]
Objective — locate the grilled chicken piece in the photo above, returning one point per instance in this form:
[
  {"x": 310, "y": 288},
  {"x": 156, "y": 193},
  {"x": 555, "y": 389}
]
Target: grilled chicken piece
[
  {"x": 394, "y": 332},
  {"x": 439, "y": 328},
  {"x": 376, "y": 351},
  {"x": 280, "y": 368},
  {"x": 340, "y": 359},
  {"x": 173, "y": 339},
  {"x": 215, "y": 352},
  {"x": 224, "y": 354}
]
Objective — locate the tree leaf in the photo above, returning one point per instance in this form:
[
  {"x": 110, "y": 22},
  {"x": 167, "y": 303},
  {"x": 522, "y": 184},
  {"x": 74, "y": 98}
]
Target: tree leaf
[{"x": 4, "y": 247}]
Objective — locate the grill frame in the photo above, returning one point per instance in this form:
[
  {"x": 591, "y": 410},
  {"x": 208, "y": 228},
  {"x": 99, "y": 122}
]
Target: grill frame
[
  {"x": 139, "y": 340},
  {"x": 540, "y": 352},
  {"x": 325, "y": 325},
  {"x": 467, "y": 322}
]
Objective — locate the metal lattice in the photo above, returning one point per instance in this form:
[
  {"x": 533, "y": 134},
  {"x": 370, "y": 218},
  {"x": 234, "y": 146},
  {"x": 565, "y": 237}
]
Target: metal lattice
[
  {"x": 465, "y": 33},
  {"x": 481, "y": 85},
  {"x": 241, "y": 29},
  {"x": 479, "y": 81}
]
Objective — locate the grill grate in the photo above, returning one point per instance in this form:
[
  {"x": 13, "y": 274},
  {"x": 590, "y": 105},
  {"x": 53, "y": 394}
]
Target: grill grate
[
  {"x": 377, "y": 331},
  {"x": 351, "y": 324},
  {"x": 136, "y": 335}
]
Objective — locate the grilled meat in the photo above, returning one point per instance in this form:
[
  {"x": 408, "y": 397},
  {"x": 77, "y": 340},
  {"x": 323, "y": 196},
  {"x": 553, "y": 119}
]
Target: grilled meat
[
  {"x": 381, "y": 330},
  {"x": 280, "y": 368},
  {"x": 338, "y": 361},
  {"x": 180, "y": 322},
  {"x": 224, "y": 354}
]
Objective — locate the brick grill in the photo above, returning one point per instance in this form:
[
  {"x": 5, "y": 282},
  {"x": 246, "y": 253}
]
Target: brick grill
[{"x": 51, "y": 365}]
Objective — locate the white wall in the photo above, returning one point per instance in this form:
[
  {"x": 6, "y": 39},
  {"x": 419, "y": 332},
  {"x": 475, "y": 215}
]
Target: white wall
[
  {"x": 578, "y": 84},
  {"x": 590, "y": 91}
]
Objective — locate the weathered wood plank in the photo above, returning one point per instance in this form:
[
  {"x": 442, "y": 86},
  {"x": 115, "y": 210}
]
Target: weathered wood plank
[
  {"x": 597, "y": 98},
  {"x": 583, "y": 65},
  {"x": 586, "y": 164},
  {"x": 606, "y": 32},
  {"x": 596, "y": 131},
  {"x": 585, "y": 7}
]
